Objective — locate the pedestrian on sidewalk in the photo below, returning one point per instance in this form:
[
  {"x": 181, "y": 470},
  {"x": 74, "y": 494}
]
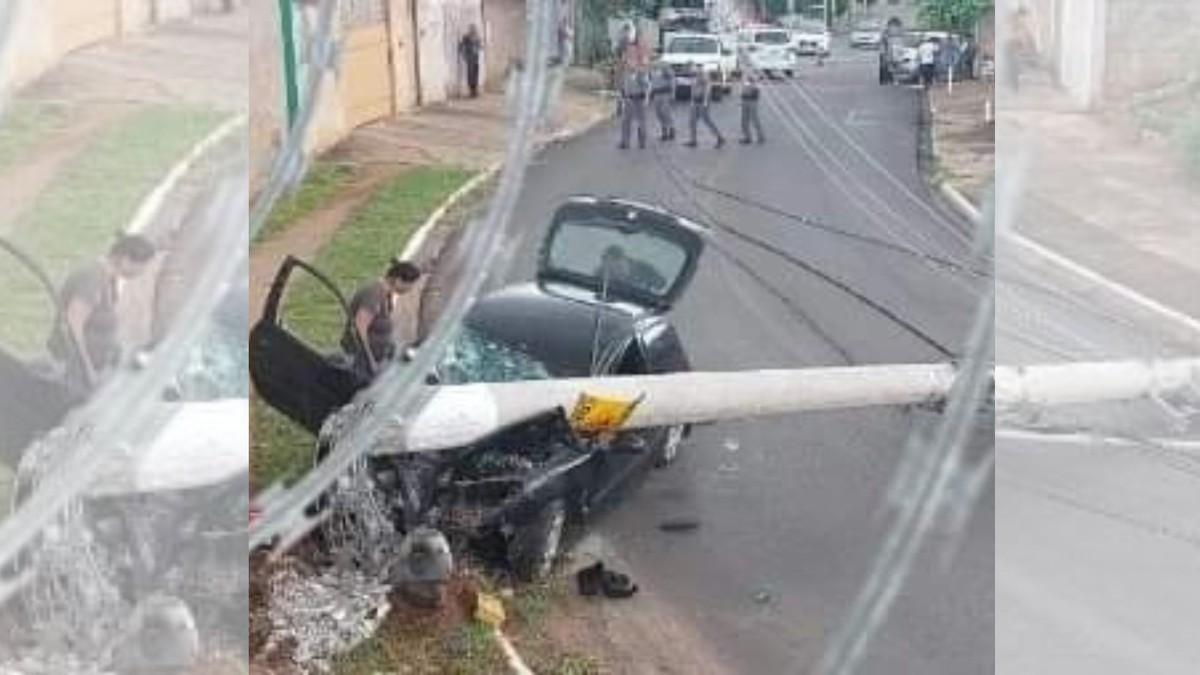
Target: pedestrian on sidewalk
[
  {"x": 635, "y": 91},
  {"x": 701, "y": 99},
  {"x": 750, "y": 118},
  {"x": 370, "y": 339},
  {"x": 662, "y": 91},
  {"x": 86, "y": 338},
  {"x": 927, "y": 58},
  {"x": 470, "y": 48}
]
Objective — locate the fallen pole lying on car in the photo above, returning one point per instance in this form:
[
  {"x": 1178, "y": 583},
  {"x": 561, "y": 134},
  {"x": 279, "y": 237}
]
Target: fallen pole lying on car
[{"x": 461, "y": 414}]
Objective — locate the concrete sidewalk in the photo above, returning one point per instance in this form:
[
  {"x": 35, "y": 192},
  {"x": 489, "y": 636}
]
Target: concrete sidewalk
[
  {"x": 1095, "y": 195},
  {"x": 469, "y": 133}
]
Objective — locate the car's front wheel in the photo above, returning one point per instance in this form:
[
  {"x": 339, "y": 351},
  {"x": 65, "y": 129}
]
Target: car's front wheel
[
  {"x": 537, "y": 545},
  {"x": 672, "y": 441}
]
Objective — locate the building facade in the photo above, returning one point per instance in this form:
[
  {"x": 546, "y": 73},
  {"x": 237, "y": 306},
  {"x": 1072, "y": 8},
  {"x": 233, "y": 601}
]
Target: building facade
[{"x": 1103, "y": 51}]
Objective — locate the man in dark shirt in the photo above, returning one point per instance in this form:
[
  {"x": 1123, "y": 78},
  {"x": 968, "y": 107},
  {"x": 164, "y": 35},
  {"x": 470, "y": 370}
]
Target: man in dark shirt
[
  {"x": 372, "y": 318},
  {"x": 86, "y": 335},
  {"x": 469, "y": 49}
]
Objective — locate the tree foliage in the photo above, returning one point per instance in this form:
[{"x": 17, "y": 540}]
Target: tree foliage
[{"x": 958, "y": 16}]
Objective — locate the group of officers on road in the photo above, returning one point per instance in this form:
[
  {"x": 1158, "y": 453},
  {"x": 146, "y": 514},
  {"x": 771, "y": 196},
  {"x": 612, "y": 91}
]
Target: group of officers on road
[{"x": 643, "y": 87}]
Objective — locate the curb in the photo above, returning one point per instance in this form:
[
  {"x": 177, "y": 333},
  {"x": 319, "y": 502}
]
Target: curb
[
  {"x": 152, "y": 203},
  {"x": 1175, "y": 317},
  {"x": 959, "y": 202},
  {"x": 967, "y": 209},
  {"x": 416, "y": 243}
]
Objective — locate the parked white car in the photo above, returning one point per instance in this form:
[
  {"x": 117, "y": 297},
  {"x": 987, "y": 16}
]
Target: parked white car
[
  {"x": 766, "y": 49},
  {"x": 809, "y": 38},
  {"x": 866, "y": 35},
  {"x": 682, "y": 51}
]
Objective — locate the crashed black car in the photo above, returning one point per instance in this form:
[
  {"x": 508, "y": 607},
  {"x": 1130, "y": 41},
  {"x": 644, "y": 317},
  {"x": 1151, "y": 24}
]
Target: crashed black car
[{"x": 609, "y": 271}]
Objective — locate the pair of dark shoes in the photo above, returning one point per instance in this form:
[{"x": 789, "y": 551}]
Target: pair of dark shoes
[
  {"x": 669, "y": 136},
  {"x": 747, "y": 141},
  {"x": 594, "y": 580}
]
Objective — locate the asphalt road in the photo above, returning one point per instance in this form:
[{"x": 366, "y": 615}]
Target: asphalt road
[
  {"x": 1097, "y": 546},
  {"x": 792, "y": 510}
]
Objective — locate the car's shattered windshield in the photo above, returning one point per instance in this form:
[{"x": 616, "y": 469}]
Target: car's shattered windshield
[{"x": 473, "y": 357}]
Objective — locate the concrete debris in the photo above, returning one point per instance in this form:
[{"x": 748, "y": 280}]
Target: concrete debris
[{"x": 318, "y": 616}]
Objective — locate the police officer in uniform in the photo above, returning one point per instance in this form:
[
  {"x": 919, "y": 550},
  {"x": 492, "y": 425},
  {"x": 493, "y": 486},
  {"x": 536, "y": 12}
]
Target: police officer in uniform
[
  {"x": 662, "y": 90},
  {"x": 750, "y": 119},
  {"x": 636, "y": 91},
  {"x": 701, "y": 98}
]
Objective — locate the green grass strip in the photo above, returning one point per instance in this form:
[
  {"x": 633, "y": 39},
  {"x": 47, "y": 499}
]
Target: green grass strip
[{"x": 323, "y": 182}]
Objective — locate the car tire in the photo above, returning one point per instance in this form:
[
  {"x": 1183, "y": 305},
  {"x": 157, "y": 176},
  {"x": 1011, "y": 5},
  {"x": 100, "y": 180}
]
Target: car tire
[
  {"x": 672, "y": 440},
  {"x": 537, "y": 545}
]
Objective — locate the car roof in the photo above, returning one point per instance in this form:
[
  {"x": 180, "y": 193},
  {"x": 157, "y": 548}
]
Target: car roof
[{"x": 554, "y": 323}]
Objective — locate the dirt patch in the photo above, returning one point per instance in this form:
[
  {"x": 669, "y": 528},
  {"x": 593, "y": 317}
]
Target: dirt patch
[
  {"x": 964, "y": 140},
  {"x": 309, "y": 235}
]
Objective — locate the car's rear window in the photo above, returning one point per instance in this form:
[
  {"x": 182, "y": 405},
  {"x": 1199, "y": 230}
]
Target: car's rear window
[
  {"x": 775, "y": 37},
  {"x": 644, "y": 260}
]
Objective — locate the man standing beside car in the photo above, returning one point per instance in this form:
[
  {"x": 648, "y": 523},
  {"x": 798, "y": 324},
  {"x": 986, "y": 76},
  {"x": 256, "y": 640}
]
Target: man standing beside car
[
  {"x": 370, "y": 339},
  {"x": 87, "y": 333}
]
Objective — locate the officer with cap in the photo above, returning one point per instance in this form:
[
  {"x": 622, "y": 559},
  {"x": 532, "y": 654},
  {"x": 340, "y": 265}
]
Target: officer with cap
[
  {"x": 750, "y": 118},
  {"x": 635, "y": 91},
  {"x": 701, "y": 98},
  {"x": 662, "y": 90}
]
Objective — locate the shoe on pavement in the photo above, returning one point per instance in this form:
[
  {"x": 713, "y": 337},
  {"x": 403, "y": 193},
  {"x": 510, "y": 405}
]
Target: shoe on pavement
[
  {"x": 720, "y": 142},
  {"x": 744, "y": 141},
  {"x": 622, "y": 147},
  {"x": 690, "y": 144},
  {"x": 590, "y": 579},
  {"x": 617, "y": 586}
]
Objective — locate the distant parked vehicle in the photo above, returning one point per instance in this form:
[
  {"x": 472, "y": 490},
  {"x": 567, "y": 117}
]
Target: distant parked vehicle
[
  {"x": 866, "y": 35},
  {"x": 809, "y": 38},
  {"x": 767, "y": 50}
]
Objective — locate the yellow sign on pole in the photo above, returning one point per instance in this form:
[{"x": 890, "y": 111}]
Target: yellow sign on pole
[{"x": 594, "y": 414}]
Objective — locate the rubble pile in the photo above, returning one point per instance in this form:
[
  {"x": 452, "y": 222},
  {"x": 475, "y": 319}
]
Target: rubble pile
[{"x": 320, "y": 615}]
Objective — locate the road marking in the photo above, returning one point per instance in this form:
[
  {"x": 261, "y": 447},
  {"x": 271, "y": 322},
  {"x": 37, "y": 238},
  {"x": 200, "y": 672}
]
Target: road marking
[
  {"x": 1093, "y": 439},
  {"x": 1173, "y": 315},
  {"x": 855, "y": 119}
]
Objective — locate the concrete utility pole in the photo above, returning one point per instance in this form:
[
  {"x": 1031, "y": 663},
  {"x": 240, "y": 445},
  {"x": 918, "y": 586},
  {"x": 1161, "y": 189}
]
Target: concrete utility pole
[{"x": 462, "y": 414}]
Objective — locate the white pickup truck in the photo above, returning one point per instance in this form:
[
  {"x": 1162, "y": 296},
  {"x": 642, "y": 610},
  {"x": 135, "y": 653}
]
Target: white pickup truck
[{"x": 682, "y": 51}]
